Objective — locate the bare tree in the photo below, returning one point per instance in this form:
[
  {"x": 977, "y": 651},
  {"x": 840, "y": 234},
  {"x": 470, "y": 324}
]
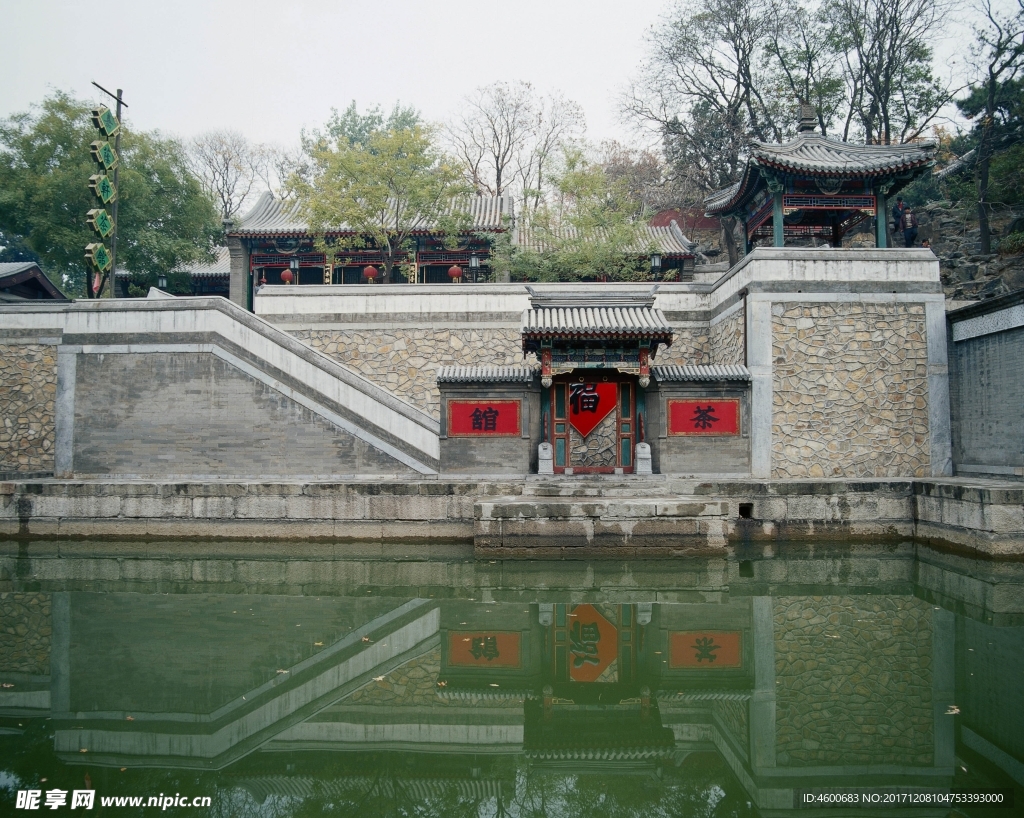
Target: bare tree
[
  {"x": 507, "y": 136},
  {"x": 496, "y": 124},
  {"x": 558, "y": 122},
  {"x": 229, "y": 168},
  {"x": 887, "y": 61}
]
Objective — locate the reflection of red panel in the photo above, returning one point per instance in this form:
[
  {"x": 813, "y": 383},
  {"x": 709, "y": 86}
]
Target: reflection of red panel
[
  {"x": 494, "y": 418},
  {"x": 593, "y": 643},
  {"x": 484, "y": 649},
  {"x": 711, "y": 416},
  {"x": 705, "y": 650},
  {"x": 590, "y": 403}
]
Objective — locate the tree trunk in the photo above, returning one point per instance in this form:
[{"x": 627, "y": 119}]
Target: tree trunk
[
  {"x": 729, "y": 239},
  {"x": 985, "y": 233}
]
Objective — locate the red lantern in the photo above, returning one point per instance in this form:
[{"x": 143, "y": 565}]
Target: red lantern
[
  {"x": 370, "y": 272},
  {"x": 455, "y": 271},
  {"x": 286, "y": 276}
]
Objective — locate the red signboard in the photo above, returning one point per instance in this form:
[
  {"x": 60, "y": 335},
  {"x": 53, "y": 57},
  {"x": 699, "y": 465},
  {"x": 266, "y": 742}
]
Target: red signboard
[
  {"x": 593, "y": 644},
  {"x": 590, "y": 403},
  {"x": 494, "y": 418},
  {"x": 710, "y": 416},
  {"x": 706, "y": 650},
  {"x": 484, "y": 649}
]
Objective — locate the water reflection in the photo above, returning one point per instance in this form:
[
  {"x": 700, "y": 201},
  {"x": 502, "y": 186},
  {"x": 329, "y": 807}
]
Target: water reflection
[{"x": 452, "y": 687}]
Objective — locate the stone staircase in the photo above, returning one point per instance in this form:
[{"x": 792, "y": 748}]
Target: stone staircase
[{"x": 582, "y": 517}]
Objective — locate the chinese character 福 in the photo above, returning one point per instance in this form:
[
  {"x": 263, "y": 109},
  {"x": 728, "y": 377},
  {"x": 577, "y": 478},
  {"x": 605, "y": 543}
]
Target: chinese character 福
[
  {"x": 583, "y": 641},
  {"x": 583, "y": 397}
]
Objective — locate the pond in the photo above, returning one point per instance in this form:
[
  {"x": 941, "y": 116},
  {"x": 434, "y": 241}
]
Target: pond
[{"x": 304, "y": 679}]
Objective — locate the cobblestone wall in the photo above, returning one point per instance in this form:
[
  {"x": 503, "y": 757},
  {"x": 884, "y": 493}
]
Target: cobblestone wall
[
  {"x": 28, "y": 386},
  {"x": 850, "y": 390},
  {"x": 727, "y": 345},
  {"x": 689, "y": 347},
  {"x": 405, "y": 361},
  {"x": 854, "y": 681},
  {"x": 25, "y": 630}
]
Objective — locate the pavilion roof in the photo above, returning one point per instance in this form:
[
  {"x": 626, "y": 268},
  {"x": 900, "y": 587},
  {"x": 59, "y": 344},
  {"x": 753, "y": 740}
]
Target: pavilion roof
[
  {"x": 274, "y": 217},
  {"x": 814, "y": 155},
  {"x": 668, "y": 239}
]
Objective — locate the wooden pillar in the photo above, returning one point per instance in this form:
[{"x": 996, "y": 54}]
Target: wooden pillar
[{"x": 777, "y": 226}]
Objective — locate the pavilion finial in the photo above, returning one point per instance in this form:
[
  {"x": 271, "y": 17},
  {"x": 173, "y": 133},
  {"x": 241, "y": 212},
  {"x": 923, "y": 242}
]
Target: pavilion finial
[{"x": 808, "y": 122}]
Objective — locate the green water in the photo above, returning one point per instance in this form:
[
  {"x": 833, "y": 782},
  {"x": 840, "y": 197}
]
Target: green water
[{"x": 297, "y": 681}]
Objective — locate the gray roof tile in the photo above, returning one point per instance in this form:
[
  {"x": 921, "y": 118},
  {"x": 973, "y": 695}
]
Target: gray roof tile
[
  {"x": 713, "y": 372},
  {"x": 272, "y": 216},
  {"x": 485, "y": 374},
  {"x": 621, "y": 320}
]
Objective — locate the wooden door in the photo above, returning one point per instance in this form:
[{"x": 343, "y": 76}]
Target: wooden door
[{"x": 594, "y": 422}]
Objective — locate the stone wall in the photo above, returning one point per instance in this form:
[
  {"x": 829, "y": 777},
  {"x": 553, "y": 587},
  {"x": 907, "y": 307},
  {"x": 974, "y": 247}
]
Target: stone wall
[
  {"x": 689, "y": 346},
  {"x": 855, "y": 681},
  {"x": 727, "y": 339},
  {"x": 850, "y": 390},
  {"x": 192, "y": 413},
  {"x": 405, "y": 361},
  {"x": 28, "y": 386},
  {"x": 25, "y": 630}
]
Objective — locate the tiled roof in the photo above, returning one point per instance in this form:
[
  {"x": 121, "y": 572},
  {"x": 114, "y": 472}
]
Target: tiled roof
[
  {"x": 11, "y": 267},
  {"x": 604, "y": 321},
  {"x": 669, "y": 239},
  {"x": 220, "y": 267},
  {"x": 812, "y": 154},
  {"x": 272, "y": 216},
  {"x": 714, "y": 372},
  {"x": 484, "y": 374}
]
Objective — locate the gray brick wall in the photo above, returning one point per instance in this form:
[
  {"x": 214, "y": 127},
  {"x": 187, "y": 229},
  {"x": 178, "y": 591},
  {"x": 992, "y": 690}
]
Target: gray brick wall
[
  {"x": 987, "y": 399},
  {"x": 192, "y": 413}
]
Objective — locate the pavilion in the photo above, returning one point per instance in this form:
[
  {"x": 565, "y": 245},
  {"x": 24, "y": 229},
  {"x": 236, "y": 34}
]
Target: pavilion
[{"x": 816, "y": 187}]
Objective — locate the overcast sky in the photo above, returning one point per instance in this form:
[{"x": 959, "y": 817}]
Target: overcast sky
[{"x": 269, "y": 67}]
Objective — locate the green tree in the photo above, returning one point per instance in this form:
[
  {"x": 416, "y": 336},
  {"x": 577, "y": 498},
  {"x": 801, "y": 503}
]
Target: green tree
[
  {"x": 996, "y": 102},
  {"x": 383, "y": 189},
  {"x": 589, "y": 229},
  {"x": 165, "y": 220}
]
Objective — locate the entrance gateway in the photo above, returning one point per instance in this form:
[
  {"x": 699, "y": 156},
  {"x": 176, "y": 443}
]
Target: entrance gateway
[{"x": 595, "y": 355}]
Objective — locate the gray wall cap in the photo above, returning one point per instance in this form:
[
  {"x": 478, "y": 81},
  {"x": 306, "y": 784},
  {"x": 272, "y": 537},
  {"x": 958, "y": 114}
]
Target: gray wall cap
[
  {"x": 714, "y": 372},
  {"x": 485, "y": 374}
]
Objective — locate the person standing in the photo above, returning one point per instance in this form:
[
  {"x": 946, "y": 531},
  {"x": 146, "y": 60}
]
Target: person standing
[
  {"x": 908, "y": 223},
  {"x": 897, "y": 215}
]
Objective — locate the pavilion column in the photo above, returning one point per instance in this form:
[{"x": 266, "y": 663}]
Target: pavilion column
[
  {"x": 777, "y": 227},
  {"x": 881, "y": 219}
]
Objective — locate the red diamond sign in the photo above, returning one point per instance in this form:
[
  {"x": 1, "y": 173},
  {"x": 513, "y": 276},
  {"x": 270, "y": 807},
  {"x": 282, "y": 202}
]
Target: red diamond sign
[
  {"x": 590, "y": 403},
  {"x": 593, "y": 643}
]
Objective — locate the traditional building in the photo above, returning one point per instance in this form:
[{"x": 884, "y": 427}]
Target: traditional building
[
  {"x": 816, "y": 187},
  {"x": 274, "y": 238},
  {"x": 662, "y": 245},
  {"x": 24, "y": 281}
]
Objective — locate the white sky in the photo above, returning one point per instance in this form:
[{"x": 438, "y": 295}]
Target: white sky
[{"x": 270, "y": 67}]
